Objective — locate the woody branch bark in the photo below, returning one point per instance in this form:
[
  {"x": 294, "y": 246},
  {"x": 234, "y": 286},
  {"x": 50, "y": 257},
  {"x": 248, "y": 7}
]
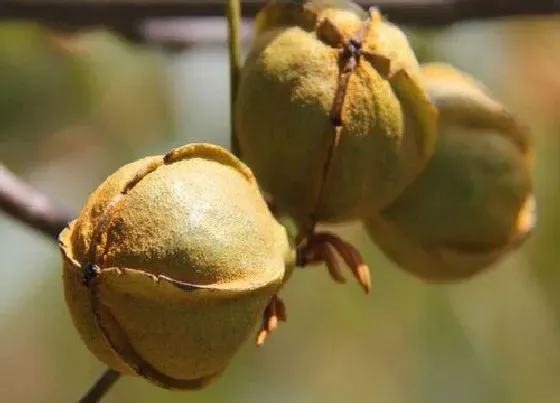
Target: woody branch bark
[
  {"x": 131, "y": 18},
  {"x": 31, "y": 207}
]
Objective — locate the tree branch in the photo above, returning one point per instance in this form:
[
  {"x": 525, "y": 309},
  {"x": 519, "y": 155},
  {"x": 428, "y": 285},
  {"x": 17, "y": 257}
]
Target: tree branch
[
  {"x": 101, "y": 387},
  {"x": 421, "y": 12},
  {"x": 27, "y": 205},
  {"x": 130, "y": 18}
]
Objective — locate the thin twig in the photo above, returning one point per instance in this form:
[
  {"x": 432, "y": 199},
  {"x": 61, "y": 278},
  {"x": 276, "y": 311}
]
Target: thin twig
[
  {"x": 101, "y": 387},
  {"x": 31, "y": 207},
  {"x": 422, "y": 12},
  {"x": 132, "y": 19},
  {"x": 234, "y": 40}
]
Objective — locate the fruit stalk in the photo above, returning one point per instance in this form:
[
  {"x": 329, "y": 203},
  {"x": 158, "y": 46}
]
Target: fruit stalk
[
  {"x": 101, "y": 387},
  {"x": 234, "y": 41}
]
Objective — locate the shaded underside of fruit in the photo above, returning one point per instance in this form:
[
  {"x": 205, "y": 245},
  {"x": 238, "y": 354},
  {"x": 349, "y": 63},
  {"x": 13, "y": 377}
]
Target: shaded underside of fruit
[{"x": 474, "y": 200}]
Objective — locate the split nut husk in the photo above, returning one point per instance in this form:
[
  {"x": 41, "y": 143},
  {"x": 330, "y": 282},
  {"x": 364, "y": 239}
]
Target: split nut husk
[
  {"x": 331, "y": 115},
  {"x": 474, "y": 201},
  {"x": 171, "y": 263}
]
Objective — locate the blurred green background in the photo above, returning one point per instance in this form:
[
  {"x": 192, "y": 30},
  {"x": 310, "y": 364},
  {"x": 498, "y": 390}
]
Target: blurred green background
[{"x": 73, "y": 109}]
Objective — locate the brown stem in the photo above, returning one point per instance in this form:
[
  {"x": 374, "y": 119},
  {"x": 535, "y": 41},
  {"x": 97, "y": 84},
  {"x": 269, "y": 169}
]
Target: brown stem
[
  {"x": 101, "y": 387},
  {"x": 31, "y": 207}
]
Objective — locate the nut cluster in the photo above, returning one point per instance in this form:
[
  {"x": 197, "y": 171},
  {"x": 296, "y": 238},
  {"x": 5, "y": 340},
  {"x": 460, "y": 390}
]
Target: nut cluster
[{"x": 175, "y": 260}]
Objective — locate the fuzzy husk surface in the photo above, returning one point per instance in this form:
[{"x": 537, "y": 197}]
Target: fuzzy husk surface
[
  {"x": 474, "y": 200},
  {"x": 189, "y": 257},
  {"x": 287, "y": 89}
]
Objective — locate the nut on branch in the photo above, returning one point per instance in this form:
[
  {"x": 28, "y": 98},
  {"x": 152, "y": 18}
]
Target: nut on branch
[
  {"x": 171, "y": 264},
  {"x": 331, "y": 115},
  {"x": 474, "y": 201}
]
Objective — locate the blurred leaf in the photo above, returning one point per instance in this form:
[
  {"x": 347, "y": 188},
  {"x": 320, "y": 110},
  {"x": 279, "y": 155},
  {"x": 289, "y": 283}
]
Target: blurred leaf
[
  {"x": 42, "y": 88},
  {"x": 128, "y": 85}
]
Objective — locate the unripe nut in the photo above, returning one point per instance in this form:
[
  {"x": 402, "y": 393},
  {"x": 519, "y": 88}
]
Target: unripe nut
[
  {"x": 171, "y": 263},
  {"x": 331, "y": 116},
  {"x": 474, "y": 201}
]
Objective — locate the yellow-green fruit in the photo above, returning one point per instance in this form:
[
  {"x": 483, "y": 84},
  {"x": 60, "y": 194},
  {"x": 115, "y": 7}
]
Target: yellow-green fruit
[
  {"x": 171, "y": 263},
  {"x": 474, "y": 200},
  {"x": 286, "y": 106}
]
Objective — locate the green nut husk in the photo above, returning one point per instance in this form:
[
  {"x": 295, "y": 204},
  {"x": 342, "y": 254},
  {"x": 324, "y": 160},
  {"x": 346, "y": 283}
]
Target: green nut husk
[
  {"x": 171, "y": 263},
  {"x": 291, "y": 85},
  {"x": 474, "y": 201}
]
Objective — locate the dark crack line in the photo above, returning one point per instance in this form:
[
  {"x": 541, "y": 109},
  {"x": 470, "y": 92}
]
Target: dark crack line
[
  {"x": 120, "y": 343},
  {"x": 350, "y": 57}
]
